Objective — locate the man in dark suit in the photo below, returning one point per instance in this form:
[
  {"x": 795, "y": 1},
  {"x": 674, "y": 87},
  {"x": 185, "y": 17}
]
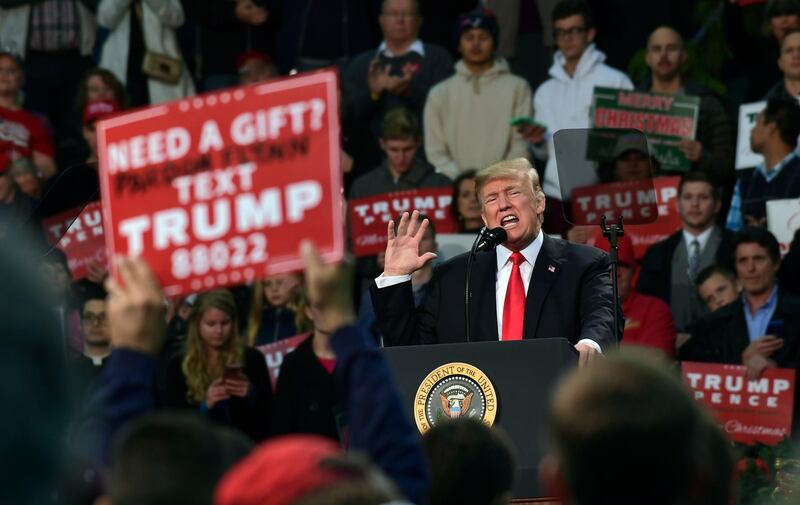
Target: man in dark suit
[
  {"x": 761, "y": 328},
  {"x": 670, "y": 267},
  {"x": 531, "y": 286}
]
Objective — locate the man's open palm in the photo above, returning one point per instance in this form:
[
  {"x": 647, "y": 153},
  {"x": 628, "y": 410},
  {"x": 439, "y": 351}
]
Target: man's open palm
[{"x": 402, "y": 248}]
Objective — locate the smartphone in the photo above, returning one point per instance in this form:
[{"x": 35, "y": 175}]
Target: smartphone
[
  {"x": 775, "y": 327},
  {"x": 233, "y": 372},
  {"x": 526, "y": 120}
]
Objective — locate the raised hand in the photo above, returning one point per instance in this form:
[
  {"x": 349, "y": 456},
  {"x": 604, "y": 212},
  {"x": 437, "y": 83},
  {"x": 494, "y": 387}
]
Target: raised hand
[
  {"x": 329, "y": 289},
  {"x": 135, "y": 308},
  {"x": 402, "y": 248}
]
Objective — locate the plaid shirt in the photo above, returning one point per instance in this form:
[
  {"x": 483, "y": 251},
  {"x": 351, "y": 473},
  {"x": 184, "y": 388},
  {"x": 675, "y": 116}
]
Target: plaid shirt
[
  {"x": 735, "y": 221},
  {"x": 55, "y": 26}
]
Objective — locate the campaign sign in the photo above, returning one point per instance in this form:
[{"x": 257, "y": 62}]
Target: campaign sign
[
  {"x": 220, "y": 188},
  {"x": 665, "y": 119},
  {"x": 370, "y": 215},
  {"x": 783, "y": 220},
  {"x": 81, "y": 238},
  {"x": 748, "y": 411},
  {"x": 745, "y": 157},
  {"x": 590, "y": 202},
  {"x": 276, "y": 351}
]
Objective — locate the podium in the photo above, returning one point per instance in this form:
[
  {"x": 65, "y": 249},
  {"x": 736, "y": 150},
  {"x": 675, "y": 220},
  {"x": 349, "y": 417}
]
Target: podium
[{"x": 523, "y": 374}]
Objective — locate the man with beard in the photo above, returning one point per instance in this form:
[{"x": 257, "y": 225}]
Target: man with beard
[{"x": 711, "y": 149}]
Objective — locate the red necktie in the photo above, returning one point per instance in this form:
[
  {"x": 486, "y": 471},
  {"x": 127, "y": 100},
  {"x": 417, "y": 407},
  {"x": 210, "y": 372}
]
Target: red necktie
[{"x": 514, "y": 306}]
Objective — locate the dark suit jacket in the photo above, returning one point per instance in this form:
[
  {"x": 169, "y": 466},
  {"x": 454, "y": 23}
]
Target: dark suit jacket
[
  {"x": 569, "y": 296},
  {"x": 655, "y": 277},
  {"x": 722, "y": 336}
]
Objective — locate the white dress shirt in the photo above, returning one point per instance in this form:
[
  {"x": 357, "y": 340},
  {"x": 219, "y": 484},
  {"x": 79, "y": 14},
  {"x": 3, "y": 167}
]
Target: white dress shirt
[
  {"x": 702, "y": 239},
  {"x": 415, "y": 47}
]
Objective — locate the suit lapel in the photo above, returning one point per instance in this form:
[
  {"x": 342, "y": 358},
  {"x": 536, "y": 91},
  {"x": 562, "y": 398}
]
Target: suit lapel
[
  {"x": 545, "y": 272},
  {"x": 483, "y": 300}
]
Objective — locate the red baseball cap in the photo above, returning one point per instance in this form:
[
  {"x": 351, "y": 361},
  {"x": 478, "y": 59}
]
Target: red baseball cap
[
  {"x": 252, "y": 55},
  {"x": 279, "y": 472},
  {"x": 625, "y": 254},
  {"x": 99, "y": 109}
]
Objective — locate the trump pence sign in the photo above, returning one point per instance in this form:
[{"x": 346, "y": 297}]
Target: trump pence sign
[
  {"x": 748, "y": 411},
  {"x": 220, "y": 188}
]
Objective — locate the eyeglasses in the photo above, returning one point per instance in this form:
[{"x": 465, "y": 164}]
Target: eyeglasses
[
  {"x": 91, "y": 318},
  {"x": 400, "y": 15},
  {"x": 569, "y": 33}
]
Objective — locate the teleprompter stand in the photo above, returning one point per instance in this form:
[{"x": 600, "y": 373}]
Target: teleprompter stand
[{"x": 612, "y": 233}]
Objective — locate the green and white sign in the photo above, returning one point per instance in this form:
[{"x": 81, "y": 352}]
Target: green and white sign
[{"x": 664, "y": 119}]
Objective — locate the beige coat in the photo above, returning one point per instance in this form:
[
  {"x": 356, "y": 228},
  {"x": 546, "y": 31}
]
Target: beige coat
[{"x": 467, "y": 119}]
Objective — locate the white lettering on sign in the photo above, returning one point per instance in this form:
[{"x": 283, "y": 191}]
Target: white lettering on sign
[
  {"x": 251, "y": 127},
  {"x": 143, "y": 150},
  {"x": 254, "y": 213},
  {"x": 237, "y": 252},
  {"x": 208, "y": 221},
  {"x": 208, "y": 185},
  {"x": 210, "y": 138},
  {"x": 302, "y": 196},
  {"x": 736, "y": 426},
  {"x": 87, "y": 225},
  {"x": 434, "y": 206},
  {"x": 736, "y": 389}
]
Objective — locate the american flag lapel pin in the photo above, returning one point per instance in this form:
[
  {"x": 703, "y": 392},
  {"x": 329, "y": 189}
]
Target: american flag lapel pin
[{"x": 551, "y": 269}]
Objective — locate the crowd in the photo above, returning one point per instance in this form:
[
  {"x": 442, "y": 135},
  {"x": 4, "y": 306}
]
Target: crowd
[{"x": 164, "y": 399}]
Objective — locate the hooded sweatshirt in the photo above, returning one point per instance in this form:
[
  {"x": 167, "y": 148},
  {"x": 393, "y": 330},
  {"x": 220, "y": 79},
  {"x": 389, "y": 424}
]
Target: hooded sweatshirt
[
  {"x": 467, "y": 119},
  {"x": 564, "y": 101}
]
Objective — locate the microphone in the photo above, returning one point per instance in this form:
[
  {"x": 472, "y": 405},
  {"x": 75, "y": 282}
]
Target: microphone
[{"x": 489, "y": 239}]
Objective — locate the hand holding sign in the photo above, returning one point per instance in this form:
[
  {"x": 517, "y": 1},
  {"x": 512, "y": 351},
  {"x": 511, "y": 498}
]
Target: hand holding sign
[
  {"x": 402, "y": 248},
  {"x": 692, "y": 149},
  {"x": 756, "y": 356}
]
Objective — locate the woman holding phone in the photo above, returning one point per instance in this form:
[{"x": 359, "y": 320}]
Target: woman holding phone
[{"x": 216, "y": 374}]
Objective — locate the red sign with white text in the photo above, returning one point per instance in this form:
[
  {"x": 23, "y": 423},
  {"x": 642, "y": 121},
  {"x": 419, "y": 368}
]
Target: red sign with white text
[
  {"x": 276, "y": 351},
  {"x": 81, "y": 238},
  {"x": 370, "y": 215},
  {"x": 220, "y": 188},
  {"x": 748, "y": 411},
  {"x": 592, "y": 201}
]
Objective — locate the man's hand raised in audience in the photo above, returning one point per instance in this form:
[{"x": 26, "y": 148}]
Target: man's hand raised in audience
[
  {"x": 135, "y": 308},
  {"x": 402, "y": 248},
  {"x": 329, "y": 289}
]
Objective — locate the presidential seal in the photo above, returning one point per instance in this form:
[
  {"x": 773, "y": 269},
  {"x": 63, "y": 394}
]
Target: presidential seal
[{"x": 454, "y": 390}]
